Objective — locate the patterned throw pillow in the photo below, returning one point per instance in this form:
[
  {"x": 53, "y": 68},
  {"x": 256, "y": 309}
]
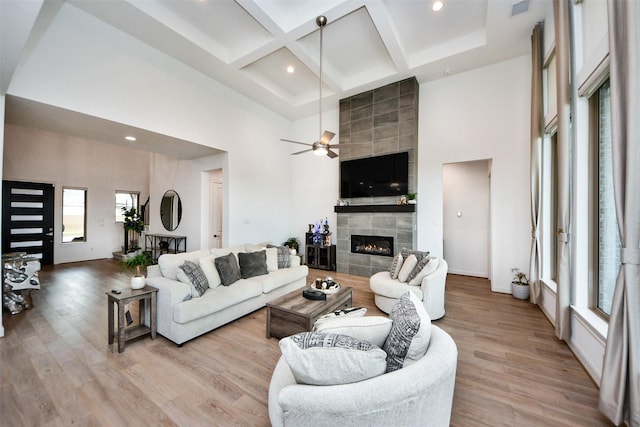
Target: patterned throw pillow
[
  {"x": 283, "y": 256},
  {"x": 410, "y": 333},
  {"x": 328, "y": 359},
  {"x": 228, "y": 269},
  {"x": 396, "y": 265},
  {"x": 431, "y": 266},
  {"x": 194, "y": 276},
  {"x": 418, "y": 268}
]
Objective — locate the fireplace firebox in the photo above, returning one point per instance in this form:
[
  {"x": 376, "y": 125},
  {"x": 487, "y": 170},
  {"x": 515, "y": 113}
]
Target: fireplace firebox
[{"x": 372, "y": 245}]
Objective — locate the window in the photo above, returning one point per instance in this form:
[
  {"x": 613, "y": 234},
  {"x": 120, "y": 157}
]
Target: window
[
  {"x": 549, "y": 220},
  {"x": 606, "y": 247},
  {"x": 74, "y": 214},
  {"x": 127, "y": 200}
]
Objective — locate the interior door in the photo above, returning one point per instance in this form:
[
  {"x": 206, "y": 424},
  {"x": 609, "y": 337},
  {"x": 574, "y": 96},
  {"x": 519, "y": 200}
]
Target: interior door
[
  {"x": 216, "y": 210},
  {"x": 27, "y": 219}
]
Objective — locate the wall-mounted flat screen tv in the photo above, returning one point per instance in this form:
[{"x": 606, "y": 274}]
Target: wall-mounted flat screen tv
[{"x": 375, "y": 176}]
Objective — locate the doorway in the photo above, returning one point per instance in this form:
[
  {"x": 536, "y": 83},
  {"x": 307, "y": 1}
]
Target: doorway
[
  {"x": 214, "y": 221},
  {"x": 27, "y": 219},
  {"x": 467, "y": 217}
]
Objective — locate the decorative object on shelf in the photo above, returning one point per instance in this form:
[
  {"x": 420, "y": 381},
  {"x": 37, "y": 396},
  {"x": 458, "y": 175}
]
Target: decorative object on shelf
[
  {"x": 342, "y": 202},
  {"x": 411, "y": 198},
  {"x": 311, "y": 227},
  {"x": 143, "y": 259},
  {"x": 133, "y": 226},
  {"x": 519, "y": 285},
  {"x": 293, "y": 243},
  {"x": 322, "y": 146},
  {"x": 403, "y": 200}
]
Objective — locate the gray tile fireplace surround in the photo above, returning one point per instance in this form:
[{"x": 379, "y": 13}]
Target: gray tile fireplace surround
[
  {"x": 380, "y": 121},
  {"x": 399, "y": 225}
]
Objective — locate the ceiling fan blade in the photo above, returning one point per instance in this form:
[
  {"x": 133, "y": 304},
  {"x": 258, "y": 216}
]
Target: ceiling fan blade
[
  {"x": 326, "y": 137},
  {"x": 331, "y": 154},
  {"x": 303, "y": 151},
  {"x": 334, "y": 145},
  {"x": 296, "y": 142}
]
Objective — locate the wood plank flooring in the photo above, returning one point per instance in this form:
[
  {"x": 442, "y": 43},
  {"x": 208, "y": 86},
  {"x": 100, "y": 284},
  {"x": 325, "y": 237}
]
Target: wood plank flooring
[{"x": 56, "y": 368}]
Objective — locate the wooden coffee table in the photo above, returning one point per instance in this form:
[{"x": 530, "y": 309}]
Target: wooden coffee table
[{"x": 293, "y": 313}]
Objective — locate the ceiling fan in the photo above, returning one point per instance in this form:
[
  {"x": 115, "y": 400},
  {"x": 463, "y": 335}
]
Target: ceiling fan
[{"x": 322, "y": 146}]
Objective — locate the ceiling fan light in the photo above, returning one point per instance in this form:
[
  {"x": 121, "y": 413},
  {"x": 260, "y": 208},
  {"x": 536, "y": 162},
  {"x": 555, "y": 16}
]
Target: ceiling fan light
[{"x": 321, "y": 150}]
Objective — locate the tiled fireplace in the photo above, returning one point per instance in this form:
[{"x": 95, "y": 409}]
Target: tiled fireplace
[
  {"x": 377, "y": 122},
  {"x": 372, "y": 245}
]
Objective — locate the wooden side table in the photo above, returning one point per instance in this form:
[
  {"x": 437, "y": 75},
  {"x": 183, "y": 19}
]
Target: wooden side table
[{"x": 144, "y": 295}]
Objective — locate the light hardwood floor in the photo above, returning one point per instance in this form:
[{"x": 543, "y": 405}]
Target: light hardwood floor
[{"x": 56, "y": 368}]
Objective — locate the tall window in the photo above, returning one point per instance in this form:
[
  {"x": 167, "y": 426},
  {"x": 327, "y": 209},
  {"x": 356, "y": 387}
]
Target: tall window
[
  {"x": 548, "y": 236},
  {"x": 127, "y": 200},
  {"x": 607, "y": 250},
  {"x": 74, "y": 214}
]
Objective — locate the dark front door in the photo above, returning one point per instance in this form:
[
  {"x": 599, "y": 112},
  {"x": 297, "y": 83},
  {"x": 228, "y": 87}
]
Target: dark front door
[{"x": 27, "y": 219}]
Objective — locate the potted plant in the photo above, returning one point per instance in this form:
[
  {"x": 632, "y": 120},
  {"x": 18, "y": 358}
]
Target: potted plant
[
  {"x": 293, "y": 244},
  {"x": 135, "y": 263},
  {"x": 411, "y": 198},
  {"x": 133, "y": 222},
  {"x": 519, "y": 285}
]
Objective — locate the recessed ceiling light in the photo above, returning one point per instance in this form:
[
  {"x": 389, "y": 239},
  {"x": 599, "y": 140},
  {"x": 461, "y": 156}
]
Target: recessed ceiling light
[
  {"x": 130, "y": 138},
  {"x": 437, "y": 6},
  {"x": 290, "y": 69}
]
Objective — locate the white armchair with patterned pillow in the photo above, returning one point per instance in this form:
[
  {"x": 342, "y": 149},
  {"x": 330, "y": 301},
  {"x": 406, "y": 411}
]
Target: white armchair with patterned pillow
[{"x": 425, "y": 278}]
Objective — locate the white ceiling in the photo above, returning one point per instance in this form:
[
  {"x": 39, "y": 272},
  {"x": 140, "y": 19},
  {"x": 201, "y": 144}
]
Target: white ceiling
[{"x": 248, "y": 44}]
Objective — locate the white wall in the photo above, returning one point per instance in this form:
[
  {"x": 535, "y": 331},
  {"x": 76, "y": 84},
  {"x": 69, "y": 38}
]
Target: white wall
[
  {"x": 38, "y": 156},
  {"x": 94, "y": 69},
  {"x": 480, "y": 114},
  {"x": 314, "y": 179}
]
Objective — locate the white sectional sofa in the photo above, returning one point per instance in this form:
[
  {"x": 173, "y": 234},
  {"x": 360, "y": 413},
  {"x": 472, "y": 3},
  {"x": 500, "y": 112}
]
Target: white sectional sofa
[{"x": 181, "y": 317}]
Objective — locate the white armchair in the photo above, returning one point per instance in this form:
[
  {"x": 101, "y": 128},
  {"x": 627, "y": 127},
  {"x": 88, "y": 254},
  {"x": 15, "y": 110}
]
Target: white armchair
[
  {"x": 418, "y": 394},
  {"x": 430, "y": 292}
]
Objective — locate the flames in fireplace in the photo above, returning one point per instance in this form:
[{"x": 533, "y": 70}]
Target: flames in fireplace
[{"x": 372, "y": 245}]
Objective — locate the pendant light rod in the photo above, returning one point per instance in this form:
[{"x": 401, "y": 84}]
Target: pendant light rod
[{"x": 321, "y": 21}]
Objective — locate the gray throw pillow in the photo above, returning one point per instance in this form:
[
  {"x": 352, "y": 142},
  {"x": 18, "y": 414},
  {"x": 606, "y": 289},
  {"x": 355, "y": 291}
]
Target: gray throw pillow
[
  {"x": 283, "y": 256},
  {"x": 194, "y": 276},
  {"x": 253, "y": 264},
  {"x": 228, "y": 269},
  {"x": 419, "y": 254}
]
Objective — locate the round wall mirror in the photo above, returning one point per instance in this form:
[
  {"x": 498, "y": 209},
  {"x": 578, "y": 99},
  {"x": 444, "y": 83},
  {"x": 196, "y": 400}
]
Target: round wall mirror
[{"x": 170, "y": 210}]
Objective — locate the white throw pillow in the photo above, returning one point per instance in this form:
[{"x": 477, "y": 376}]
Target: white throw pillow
[
  {"x": 407, "y": 267},
  {"x": 430, "y": 267},
  {"x": 208, "y": 266},
  {"x": 272, "y": 259},
  {"x": 410, "y": 333},
  {"x": 329, "y": 359},
  {"x": 370, "y": 328}
]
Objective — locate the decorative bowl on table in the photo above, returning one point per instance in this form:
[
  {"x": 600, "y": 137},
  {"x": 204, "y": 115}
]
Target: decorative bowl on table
[{"x": 326, "y": 287}]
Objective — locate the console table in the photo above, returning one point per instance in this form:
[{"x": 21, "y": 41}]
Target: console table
[{"x": 158, "y": 244}]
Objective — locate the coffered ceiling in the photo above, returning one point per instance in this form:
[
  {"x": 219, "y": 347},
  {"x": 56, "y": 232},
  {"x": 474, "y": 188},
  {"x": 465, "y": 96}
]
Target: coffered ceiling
[{"x": 248, "y": 44}]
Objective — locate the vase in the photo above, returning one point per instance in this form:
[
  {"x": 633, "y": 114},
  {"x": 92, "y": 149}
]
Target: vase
[
  {"x": 137, "y": 282},
  {"x": 520, "y": 291}
]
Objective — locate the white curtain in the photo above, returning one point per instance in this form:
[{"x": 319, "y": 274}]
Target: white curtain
[
  {"x": 537, "y": 132},
  {"x": 620, "y": 382},
  {"x": 563, "y": 298}
]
